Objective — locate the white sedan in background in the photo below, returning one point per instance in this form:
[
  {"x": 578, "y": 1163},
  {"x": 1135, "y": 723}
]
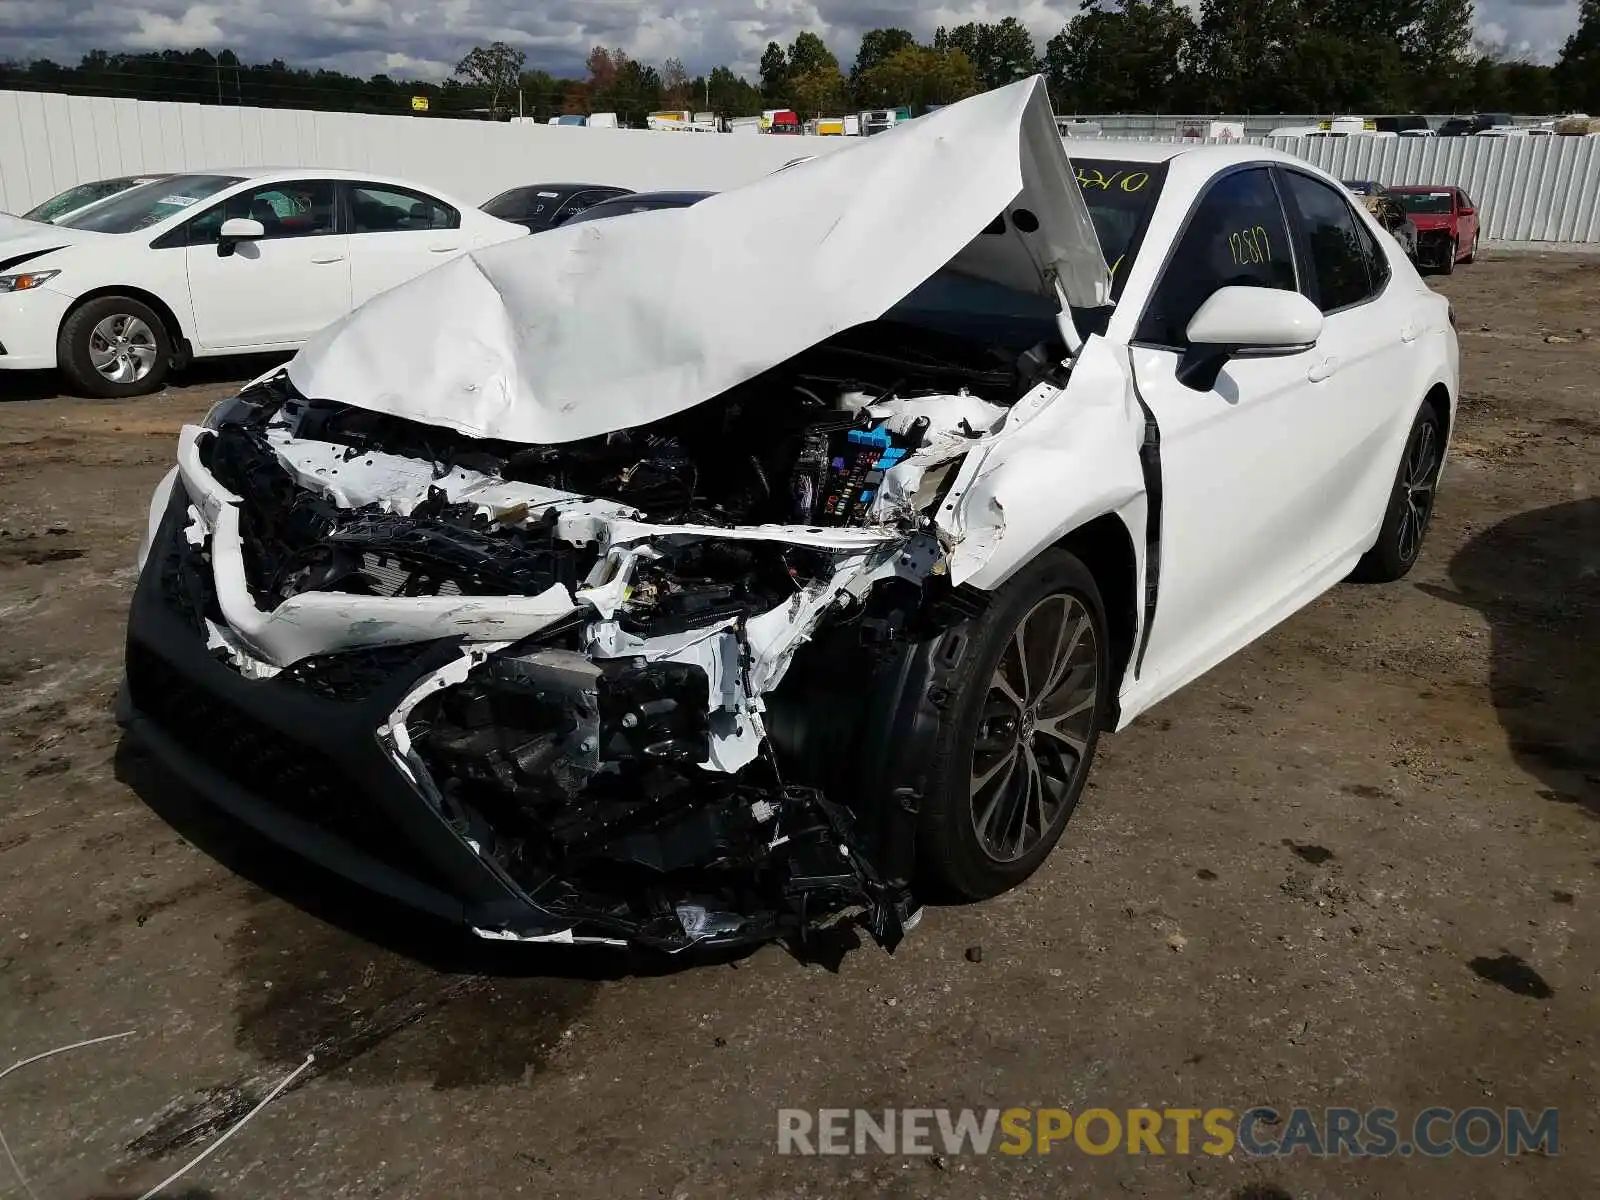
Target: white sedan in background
[{"x": 219, "y": 262}]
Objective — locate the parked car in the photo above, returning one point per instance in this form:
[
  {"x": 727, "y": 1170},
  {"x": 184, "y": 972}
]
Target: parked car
[
  {"x": 1411, "y": 124},
  {"x": 636, "y": 202},
  {"x": 1391, "y": 214},
  {"x": 81, "y": 196},
  {"x": 1457, "y": 127},
  {"x": 216, "y": 262},
  {"x": 740, "y": 583},
  {"x": 1447, "y": 221},
  {"x": 545, "y": 205}
]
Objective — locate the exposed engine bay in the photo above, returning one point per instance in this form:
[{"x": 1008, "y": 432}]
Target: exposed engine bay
[{"x": 613, "y": 735}]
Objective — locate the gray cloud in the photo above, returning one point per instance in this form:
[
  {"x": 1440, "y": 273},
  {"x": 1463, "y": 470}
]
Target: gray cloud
[{"x": 423, "y": 38}]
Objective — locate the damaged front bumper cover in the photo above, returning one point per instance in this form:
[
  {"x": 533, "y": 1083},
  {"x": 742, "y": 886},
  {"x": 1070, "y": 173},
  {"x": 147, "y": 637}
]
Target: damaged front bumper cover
[{"x": 317, "y": 756}]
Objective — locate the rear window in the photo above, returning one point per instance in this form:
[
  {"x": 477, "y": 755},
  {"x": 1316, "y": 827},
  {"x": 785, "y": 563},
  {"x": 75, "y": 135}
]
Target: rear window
[
  {"x": 1120, "y": 197},
  {"x": 1427, "y": 203}
]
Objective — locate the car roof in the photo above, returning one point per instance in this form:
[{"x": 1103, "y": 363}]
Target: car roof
[
  {"x": 1203, "y": 157},
  {"x": 669, "y": 197},
  {"x": 1422, "y": 187},
  {"x": 560, "y": 187},
  {"x": 270, "y": 174}
]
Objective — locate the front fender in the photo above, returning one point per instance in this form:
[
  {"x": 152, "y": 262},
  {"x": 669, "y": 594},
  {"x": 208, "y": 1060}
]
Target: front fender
[{"x": 1075, "y": 459}]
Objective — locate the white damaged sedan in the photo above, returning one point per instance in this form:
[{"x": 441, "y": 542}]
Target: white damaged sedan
[{"x": 665, "y": 582}]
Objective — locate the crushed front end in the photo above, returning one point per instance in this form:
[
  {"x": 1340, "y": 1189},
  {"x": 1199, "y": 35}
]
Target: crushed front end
[{"x": 547, "y": 690}]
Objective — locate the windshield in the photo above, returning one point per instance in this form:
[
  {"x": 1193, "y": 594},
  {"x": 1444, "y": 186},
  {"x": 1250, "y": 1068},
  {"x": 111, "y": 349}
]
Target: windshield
[
  {"x": 526, "y": 203},
  {"x": 1436, "y": 203},
  {"x": 1120, "y": 197},
  {"x": 141, "y": 207},
  {"x": 75, "y": 198}
]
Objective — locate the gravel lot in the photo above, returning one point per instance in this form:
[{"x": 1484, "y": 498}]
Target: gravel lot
[{"x": 1358, "y": 864}]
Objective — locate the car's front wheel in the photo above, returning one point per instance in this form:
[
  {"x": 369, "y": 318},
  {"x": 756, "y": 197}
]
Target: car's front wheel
[
  {"x": 1405, "y": 521},
  {"x": 1017, "y": 740},
  {"x": 114, "y": 346},
  {"x": 1472, "y": 251},
  {"x": 1447, "y": 264}
]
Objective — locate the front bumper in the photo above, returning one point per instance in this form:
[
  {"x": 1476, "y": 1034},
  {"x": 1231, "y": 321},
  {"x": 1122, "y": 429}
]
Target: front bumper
[
  {"x": 29, "y": 324},
  {"x": 296, "y": 757},
  {"x": 1433, "y": 247}
]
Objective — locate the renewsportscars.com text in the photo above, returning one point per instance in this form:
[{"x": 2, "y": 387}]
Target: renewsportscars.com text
[{"x": 1257, "y": 1132}]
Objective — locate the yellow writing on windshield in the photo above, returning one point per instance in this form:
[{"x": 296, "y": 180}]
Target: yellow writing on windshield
[{"x": 1094, "y": 179}]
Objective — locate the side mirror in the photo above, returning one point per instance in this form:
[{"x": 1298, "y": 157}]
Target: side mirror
[
  {"x": 1246, "y": 322},
  {"x": 1467, "y": 212},
  {"x": 236, "y": 230}
]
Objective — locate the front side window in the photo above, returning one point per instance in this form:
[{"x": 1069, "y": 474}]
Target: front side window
[
  {"x": 141, "y": 207},
  {"x": 376, "y": 208},
  {"x": 303, "y": 208},
  {"x": 1236, "y": 236},
  {"x": 1339, "y": 273}
]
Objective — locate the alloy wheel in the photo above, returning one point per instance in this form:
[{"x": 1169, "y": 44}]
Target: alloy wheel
[
  {"x": 122, "y": 348},
  {"x": 1417, "y": 490},
  {"x": 1035, "y": 728}
]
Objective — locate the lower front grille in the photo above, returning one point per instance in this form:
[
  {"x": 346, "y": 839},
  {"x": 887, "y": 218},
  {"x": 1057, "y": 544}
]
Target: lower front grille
[{"x": 265, "y": 763}]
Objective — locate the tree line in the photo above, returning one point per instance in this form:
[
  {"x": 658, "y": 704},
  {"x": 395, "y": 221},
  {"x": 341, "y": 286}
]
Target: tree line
[{"x": 1312, "y": 56}]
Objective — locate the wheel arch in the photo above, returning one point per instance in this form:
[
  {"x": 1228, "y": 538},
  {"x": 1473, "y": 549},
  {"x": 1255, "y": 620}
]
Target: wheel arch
[
  {"x": 169, "y": 317},
  {"x": 1438, "y": 397},
  {"x": 1105, "y": 546}
]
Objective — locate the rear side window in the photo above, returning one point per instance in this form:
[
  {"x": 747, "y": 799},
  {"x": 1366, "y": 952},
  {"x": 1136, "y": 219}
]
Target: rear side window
[
  {"x": 378, "y": 208},
  {"x": 1340, "y": 247},
  {"x": 1236, "y": 235}
]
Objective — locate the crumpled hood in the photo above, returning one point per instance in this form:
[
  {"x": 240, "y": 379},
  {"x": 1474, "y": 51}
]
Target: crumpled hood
[{"x": 610, "y": 324}]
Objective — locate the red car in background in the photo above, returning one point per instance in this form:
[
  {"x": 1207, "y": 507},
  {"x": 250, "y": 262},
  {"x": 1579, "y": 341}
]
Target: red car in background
[{"x": 1447, "y": 224}]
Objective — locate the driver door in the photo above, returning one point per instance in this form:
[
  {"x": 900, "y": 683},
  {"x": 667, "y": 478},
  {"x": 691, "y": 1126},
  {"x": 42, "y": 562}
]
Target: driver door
[
  {"x": 1235, "y": 476},
  {"x": 275, "y": 291}
]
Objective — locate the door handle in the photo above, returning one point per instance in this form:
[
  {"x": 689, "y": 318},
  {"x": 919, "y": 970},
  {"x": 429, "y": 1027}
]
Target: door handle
[
  {"x": 328, "y": 258},
  {"x": 1410, "y": 332},
  {"x": 1326, "y": 369},
  {"x": 443, "y": 249}
]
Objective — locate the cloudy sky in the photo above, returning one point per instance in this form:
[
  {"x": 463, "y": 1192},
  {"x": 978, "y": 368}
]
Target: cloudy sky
[{"x": 425, "y": 37}]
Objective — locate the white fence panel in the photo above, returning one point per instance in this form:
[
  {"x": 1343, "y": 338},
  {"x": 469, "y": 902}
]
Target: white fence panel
[
  {"x": 49, "y": 142},
  {"x": 1530, "y": 188}
]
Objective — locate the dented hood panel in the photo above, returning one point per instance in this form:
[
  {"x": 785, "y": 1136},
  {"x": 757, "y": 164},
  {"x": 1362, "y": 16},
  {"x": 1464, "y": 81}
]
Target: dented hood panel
[{"x": 606, "y": 325}]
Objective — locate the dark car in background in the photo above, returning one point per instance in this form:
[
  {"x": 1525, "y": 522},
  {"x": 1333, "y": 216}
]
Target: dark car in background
[
  {"x": 543, "y": 206},
  {"x": 1405, "y": 123},
  {"x": 640, "y": 202},
  {"x": 1391, "y": 213},
  {"x": 1447, "y": 224}
]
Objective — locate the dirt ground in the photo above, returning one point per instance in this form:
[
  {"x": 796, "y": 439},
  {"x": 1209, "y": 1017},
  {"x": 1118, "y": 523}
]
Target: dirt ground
[{"x": 1358, "y": 865}]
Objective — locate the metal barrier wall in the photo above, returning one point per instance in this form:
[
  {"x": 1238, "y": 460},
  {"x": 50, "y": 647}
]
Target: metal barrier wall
[
  {"x": 48, "y": 142},
  {"x": 1529, "y": 188}
]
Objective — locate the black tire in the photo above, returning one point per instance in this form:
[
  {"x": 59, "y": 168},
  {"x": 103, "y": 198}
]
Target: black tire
[
  {"x": 74, "y": 351},
  {"x": 1447, "y": 265},
  {"x": 1411, "y": 501},
  {"x": 1472, "y": 252},
  {"x": 955, "y": 862}
]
